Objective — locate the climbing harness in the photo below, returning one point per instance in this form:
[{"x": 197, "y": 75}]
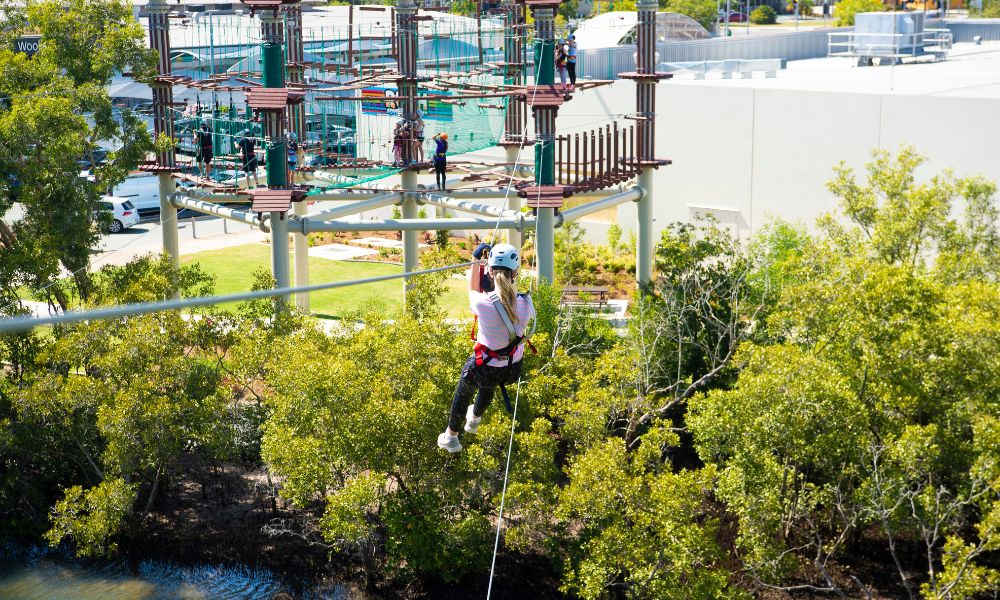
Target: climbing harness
[{"x": 485, "y": 354}]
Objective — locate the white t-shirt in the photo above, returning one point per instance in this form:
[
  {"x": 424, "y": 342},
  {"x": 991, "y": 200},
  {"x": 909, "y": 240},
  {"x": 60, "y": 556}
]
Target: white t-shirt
[{"x": 492, "y": 331}]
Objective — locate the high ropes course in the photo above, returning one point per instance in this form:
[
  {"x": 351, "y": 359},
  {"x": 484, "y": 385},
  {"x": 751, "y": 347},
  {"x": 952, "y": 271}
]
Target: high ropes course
[
  {"x": 344, "y": 96},
  {"x": 342, "y": 86}
]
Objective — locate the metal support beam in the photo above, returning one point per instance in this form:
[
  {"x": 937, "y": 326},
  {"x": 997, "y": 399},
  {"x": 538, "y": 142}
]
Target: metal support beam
[
  {"x": 465, "y": 206},
  {"x": 300, "y": 242},
  {"x": 644, "y": 242},
  {"x": 545, "y": 245},
  {"x": 354, "y": 208},
  {"x": 344, "y": 195},
  {"x": 416, "y": 225},
  {"x": 500, "y": 193},
  {"x": 180, "y": 200},
  {"x": 279, "y": 251},
  {"x": 168, "y": 219},
  {"x": 583, "y": 210}
]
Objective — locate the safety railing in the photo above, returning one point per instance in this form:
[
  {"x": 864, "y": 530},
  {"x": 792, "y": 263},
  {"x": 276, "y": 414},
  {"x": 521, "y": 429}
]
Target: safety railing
[
  {"x": 596, "y": 159},
  {"x": 935, "y": 42}
]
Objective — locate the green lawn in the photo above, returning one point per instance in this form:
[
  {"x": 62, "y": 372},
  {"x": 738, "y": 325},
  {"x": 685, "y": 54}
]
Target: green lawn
[{"x": 233, "y": 269}]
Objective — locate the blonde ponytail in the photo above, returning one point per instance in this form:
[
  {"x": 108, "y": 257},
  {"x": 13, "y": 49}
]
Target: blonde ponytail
[{"x": 504, "y": 280}]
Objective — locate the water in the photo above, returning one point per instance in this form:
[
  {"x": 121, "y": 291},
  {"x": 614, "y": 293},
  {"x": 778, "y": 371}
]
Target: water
[{"x": 37, "y": 576}]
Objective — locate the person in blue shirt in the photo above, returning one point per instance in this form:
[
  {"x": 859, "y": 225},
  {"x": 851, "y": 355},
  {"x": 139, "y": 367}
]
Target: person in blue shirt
[
  {"x": 440, "y": 159},
  {"x": 293, "y": 157},
  {"x": 571, "y": 60}
]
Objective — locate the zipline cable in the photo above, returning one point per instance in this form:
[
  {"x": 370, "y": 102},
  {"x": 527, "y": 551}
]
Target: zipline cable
[
  {"x": 517, "y": 393},
  {"x": 503, "y": 494},
  {"x": 19, "y": 324},
  {"x": 90, "y": 264}
]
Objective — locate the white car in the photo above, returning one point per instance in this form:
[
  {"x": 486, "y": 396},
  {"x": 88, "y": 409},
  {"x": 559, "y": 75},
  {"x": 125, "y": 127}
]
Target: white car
[
  {"x": 143, "y": 189},
  {"x": 123, "y": 212}
]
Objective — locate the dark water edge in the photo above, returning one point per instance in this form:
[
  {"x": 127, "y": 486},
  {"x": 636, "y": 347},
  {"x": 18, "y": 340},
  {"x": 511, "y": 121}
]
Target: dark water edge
[{"x": 34, "y": 573}]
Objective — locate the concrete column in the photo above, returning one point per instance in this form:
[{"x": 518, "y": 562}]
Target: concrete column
[
  {"x": 411, "y": 250},
  {"x": 545, "y": 243},
  {"x": 279, "y": 251},
  {"x": 513, "y": 200},
  {"x": 644, "y": 242},
  {"x": 168, "y": 218},
  {"x": 300, "y": 244}
]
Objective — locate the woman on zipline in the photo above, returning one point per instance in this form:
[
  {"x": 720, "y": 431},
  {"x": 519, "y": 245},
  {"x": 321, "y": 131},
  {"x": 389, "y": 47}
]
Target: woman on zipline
[{"x": 503, "y": 316}]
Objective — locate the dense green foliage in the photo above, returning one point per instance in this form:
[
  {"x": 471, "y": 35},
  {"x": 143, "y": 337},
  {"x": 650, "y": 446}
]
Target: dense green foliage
[
  {"x": 845, "y": 10},
  {"x": 43, "y": 133},
  {"x": 990, "y": 10},
  {"x": 771, "y": 408},
  {"x": 873, "y": 404},
  {"x": 763, "y": 15},
  {"x": 704, "y": 11}
]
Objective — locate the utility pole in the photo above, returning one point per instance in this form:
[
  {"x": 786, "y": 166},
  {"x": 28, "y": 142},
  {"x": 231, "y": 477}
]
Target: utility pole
[
  {"x": 513, "y": 139},
  {"x": 297, "y": 122},
  {"x": 544, "y": 98},
  {"x": 646, "y": 79},
  {"x": 406, "y": 60},
  {"x": 163, "y": 125},
  {"x": 271, "y": 100}
]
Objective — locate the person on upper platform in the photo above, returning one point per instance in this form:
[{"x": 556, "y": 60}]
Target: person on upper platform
[
  {"x": 293, "y": 156},
  {"x": 440, "y": 159},
  {"x": 203, "y": 141},
  {"x": 248, "y": 154},
  {"x": 503, "y": 317},
  {"x": 417, "y": 132}
]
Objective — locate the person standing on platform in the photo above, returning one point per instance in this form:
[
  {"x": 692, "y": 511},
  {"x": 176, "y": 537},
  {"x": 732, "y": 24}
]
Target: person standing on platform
[
  {"x": 440, "y": 159},
  {"x": 571, "y": 61},
  {"x": 293, "y": 157},
  {"x": 398, "y": 137},
  {"x": 248, "y": 153},
  {"x": 561, "y": 65},
  {"x": 203, "y": 140},
  {"x": 417, "y": 132}
]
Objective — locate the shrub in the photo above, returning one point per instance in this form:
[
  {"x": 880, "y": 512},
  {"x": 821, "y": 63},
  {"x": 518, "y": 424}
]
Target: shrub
[
  {"x": 846, "y": 9},
  {"x": 763, "y": 15},
  {"x": 805, "y": 7}
]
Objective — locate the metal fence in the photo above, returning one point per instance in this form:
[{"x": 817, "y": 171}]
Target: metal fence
[
  {"x": 607, "y": 63},
  {"x": 966, "y": 29}
]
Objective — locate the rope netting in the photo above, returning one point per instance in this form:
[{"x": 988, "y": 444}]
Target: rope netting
[{"x": 351, "y": 97}]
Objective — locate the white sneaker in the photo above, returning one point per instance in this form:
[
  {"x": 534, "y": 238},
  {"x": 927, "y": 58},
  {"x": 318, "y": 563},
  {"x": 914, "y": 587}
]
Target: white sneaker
[
  {"x": 449, "y": 443},
  {"x": 471, "y": 420}
]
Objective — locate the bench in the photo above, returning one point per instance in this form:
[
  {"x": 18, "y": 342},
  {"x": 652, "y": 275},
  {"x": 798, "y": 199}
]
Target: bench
[{"x": 599, "y": 295}]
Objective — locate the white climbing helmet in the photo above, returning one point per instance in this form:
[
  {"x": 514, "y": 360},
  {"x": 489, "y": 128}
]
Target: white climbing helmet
[{"x": 505, "y": 256}]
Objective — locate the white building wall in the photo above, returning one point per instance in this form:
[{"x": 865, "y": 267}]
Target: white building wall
[{"x": 748, "y": 155}]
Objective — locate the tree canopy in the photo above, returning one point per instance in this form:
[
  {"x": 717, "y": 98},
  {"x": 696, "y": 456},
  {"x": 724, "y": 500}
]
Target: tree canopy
[
  {"x": 774, "y": 409},
  {"x": 54, "y": 112}
]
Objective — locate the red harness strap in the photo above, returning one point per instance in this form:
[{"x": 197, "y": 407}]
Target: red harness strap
[{"x": 484, "y": 354}]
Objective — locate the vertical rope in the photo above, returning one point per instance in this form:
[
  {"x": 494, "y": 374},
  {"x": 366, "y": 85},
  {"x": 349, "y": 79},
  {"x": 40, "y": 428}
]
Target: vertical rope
[{"x": 503, "y": 493}]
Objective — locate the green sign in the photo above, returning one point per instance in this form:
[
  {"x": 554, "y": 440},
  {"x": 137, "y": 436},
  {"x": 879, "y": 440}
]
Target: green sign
[{"x": 27, "y": 44}]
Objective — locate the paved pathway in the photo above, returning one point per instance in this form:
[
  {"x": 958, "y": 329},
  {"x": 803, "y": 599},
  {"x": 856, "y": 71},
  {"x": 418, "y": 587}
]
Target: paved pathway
[{"x": 207, "y": 233}]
